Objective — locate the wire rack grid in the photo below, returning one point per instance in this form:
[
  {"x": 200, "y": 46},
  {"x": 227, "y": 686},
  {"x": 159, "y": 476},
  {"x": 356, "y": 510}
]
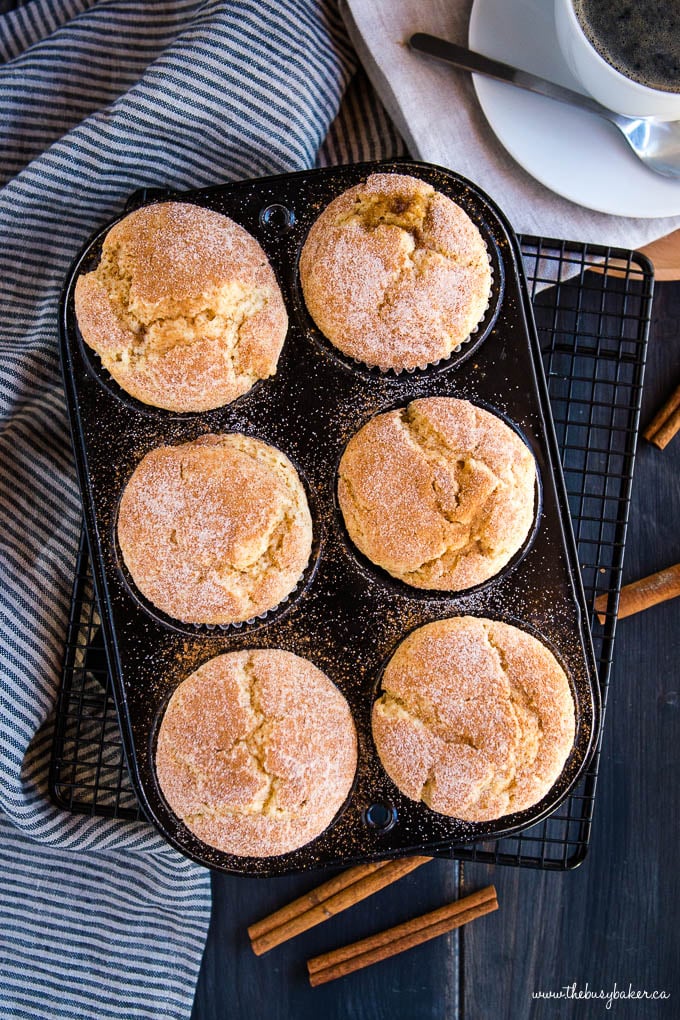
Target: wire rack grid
[{"x": 592, "y": 307}]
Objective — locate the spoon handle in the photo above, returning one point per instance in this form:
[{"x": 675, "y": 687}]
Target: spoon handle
[{"x": 468, "y": 60}]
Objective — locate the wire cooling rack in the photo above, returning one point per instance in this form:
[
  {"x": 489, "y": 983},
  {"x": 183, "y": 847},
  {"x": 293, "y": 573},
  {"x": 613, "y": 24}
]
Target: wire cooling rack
[{"x": 592, "y": 307}]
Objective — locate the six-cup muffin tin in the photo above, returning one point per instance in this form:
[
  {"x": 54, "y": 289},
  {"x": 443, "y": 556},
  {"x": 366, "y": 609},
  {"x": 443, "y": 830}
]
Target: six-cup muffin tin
[{"x": 346, "y": 616}]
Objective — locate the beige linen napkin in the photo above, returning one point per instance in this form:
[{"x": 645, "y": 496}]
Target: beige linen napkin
[{"x": 439, "y": 116}]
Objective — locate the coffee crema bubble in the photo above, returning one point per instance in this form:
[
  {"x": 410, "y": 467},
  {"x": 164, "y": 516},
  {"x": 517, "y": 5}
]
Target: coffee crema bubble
[{"x": 639, "y": 38}]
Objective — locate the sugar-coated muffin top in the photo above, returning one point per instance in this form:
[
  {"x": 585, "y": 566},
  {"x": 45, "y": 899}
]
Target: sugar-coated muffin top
[
  {"x": 394, "y": 273},
  {"x": 217, "y": 530},
  {"x": 257, "y": 752},
  {"x": 476, "y": 718},
  {"x": 183, "y": 309},
  {"x": 440, "y": 493}
]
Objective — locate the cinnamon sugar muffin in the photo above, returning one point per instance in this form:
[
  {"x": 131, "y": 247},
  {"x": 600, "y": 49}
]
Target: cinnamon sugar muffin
[
  {"x": 439, "y": 493},
  {"x": 215, "y": 531},
  {"x": 394, "y": 273},
  {"x": 257, "y": 752},
  {"x": 476, "y": 718},
  {"x": 183, "y": 309}
]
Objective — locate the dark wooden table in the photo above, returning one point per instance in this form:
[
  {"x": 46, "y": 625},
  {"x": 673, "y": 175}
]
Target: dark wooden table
[{"x": 614, "y": 920}]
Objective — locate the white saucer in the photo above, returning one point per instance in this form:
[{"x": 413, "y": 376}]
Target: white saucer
[{"x": 576, "y": 154}]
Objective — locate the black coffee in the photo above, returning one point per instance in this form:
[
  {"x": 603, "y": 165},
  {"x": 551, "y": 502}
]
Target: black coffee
[{"x": 640, "y": 38}]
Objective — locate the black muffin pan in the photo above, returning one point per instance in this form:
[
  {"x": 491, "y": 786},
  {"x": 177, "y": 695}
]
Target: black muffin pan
[{"x": 346, "y": 616}]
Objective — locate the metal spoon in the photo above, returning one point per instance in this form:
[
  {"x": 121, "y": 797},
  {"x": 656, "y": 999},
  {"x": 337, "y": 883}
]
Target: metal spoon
[{"x": 656, "y": 143}]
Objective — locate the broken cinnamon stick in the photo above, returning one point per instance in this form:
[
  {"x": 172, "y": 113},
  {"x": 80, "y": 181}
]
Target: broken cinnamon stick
[
  {"x": 347, "y": 959},
  {"x": 665, "y": 423},
  {"x": 331, "y": 898},
  {"x": 643, "y": 594}
]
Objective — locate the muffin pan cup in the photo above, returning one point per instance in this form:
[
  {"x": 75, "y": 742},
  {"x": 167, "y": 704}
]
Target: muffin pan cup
[{"x": 346, "y": 616}]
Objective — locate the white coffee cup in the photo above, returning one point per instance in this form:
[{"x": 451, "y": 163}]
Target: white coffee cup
[{"x": 602, "y": 81}]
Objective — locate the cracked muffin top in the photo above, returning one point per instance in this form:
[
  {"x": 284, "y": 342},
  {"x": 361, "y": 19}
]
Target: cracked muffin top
[
  {"x": 476, "y": 718},
  {"x": 257, "y": 752},
  {"x": 440, "y": 493},
  {"x": 394, "y": 273},
  {"x": 217, "y": 530},
  {"x": 183, "y": 309}
]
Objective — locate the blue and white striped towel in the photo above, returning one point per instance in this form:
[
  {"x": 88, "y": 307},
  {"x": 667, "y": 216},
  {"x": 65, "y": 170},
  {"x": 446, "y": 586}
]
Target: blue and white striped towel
[{"x": 99, "y": 918}]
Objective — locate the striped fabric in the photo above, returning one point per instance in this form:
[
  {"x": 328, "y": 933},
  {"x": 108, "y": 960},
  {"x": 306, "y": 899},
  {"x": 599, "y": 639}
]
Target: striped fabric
[
  {"x": 362, "y": 130},
  {"x": 97, "y": 98}
]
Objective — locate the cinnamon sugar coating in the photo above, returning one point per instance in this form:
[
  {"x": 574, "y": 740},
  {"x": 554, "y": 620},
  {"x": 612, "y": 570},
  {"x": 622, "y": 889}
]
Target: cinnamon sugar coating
[
  {"x": 394, "y": 273},
  {"x": 440, "y": 493},
  {"x": 257, "y": 752},
  {"x": 183, "y": 309},
  {"x": 217, "y": 530},
  {"x": 476, "y": 718}
]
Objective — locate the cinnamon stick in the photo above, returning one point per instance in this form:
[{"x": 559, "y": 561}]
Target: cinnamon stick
[
  {"x": 328, "y": 899},
  {"x": 348, "y": 959},
  {"x": 643, "y": 594},
  {"x": 665, "y": 423},
  {"x": 313, "y": 898}
]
